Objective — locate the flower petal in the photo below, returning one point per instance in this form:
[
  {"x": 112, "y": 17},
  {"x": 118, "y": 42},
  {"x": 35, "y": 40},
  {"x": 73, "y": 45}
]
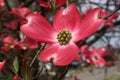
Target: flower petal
[
  {"x": 44, "y": 3},
  {"x": 102, "y": 52},
  {"x": 8, "y": 40},
  {"x": 2, "y": 3},
  {"x": 68, "y": 18},
  {"x": 60, "y": 2},
  {"x": 27, "y": 44},
  {"x": 2, "y": 64},
  {"x": 89, "y": 24},
  {"x": 38, "y": 28},
  {"x": 61, "y": 55},
  {"x": 16, "y": 77},
  {"x": 99, "y": 62}
]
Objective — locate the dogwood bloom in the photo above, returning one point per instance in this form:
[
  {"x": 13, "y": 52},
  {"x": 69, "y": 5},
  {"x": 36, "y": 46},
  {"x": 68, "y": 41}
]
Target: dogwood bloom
[
  {"x": 68, "y": 28},
  {"x": 110, "y": 20},
  {"x": 93, "y": 56},
  {"x": 96, "y": 56},
  {"x": 103, "y": 14},
  {"x": 9, "y": 43}
]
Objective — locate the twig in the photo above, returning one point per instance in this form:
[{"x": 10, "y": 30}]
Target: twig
[
  {"x": 64, "y": 73},
  {"x": 41, "y": 48},
  {"x": 29, "y": 3},
  {"x": 42, "y": 67},
  {"x": 7, "y": 4},
  {"x": 112, "y": 13}
]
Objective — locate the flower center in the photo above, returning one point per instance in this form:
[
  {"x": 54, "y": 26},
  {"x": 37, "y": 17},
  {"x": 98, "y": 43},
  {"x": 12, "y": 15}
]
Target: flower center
[
  {"x": 95, "y": 57},
  {"x": 64, "y": 37}
]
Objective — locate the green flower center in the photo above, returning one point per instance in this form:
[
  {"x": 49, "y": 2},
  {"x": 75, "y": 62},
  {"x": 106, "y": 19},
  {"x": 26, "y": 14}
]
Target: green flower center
[{"x": 64, "y": 37}]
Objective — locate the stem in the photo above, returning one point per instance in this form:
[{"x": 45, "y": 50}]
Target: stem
[
  {"x": 67, "y": 2},
  {"x": 33, "y": 60},
  {"x": 7, "y": 4},
  {"x": 39, "y": 72},
  {"x": 53, "y": 5},
  {"x": 64, "y": 73},
  {"x": 112, "y": 13},
  {"x": 29, "y": 3}
]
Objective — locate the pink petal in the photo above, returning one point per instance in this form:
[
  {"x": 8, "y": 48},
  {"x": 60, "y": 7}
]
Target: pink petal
[
  {"x": 5, "y": 48},
  {"x": 61, "y": 55},
  {"x": 8, "y": 39},
  {"x": 60, "y": 2},
  {"x": 21, "y": 12},
  {"x": 16, "y": 77},
  {"x": 13, "y": 24},
  {"x": 38, "y": 28},
  {"x": 84, "y": 49},
  {"x": 44, "y": 3},
  {"x": 68, "y": 18},
  {"x": 102, "y": 52},
  {"x": 109, "y": 21},
  {"x": 99, "y": 62},
  {"x": 84, "y": 52},
  {"x": 2, "y": 3},
  {"x": 27, "y": 44},
  {"x": 2, "y": 65},
  {"x": 89, "y": 24}
]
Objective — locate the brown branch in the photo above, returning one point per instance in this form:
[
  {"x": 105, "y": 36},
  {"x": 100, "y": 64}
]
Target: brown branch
[
  {"x": 112, "y": 12},
  {"x": 64, "y": 73},
  {"x": 29, "y": 3},
  {"x": 7, "y": 5}
]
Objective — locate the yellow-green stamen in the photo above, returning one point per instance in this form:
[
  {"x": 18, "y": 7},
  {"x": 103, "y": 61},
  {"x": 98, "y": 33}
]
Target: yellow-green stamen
[{"x": 64, "y": 37}]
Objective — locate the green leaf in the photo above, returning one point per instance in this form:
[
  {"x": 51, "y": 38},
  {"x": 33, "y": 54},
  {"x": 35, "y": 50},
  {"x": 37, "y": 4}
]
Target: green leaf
[{"x": 16, "y": 65}]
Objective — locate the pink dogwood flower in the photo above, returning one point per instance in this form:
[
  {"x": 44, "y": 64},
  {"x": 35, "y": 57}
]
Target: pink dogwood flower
[
  {"x": 68, "y": 28},
  {"x": 96, "y": 57},
  {"x": 93, "y": 56},
  {"x": 103, "y": 14},
  {"x": 110, "y": 20},
  {"x": 9, "y": 43}
]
